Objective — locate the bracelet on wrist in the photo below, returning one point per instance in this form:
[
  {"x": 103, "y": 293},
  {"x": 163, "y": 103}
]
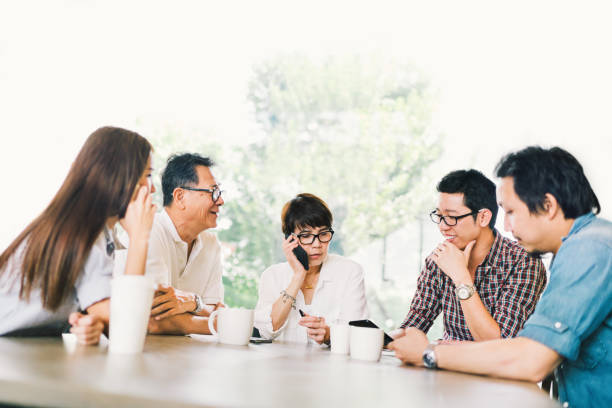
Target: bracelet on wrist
[{"x": 287, "y": 297}]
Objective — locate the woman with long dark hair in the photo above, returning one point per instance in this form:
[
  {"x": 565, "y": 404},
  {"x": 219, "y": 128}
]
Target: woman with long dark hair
[{"x": 63, "y": 261}]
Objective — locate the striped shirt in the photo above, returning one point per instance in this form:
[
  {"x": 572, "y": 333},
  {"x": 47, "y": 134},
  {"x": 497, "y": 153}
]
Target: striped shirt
[{"x": 508, "y": 281}]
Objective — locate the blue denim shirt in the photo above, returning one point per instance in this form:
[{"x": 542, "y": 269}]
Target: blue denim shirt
[{"x": 574, "y": 315}]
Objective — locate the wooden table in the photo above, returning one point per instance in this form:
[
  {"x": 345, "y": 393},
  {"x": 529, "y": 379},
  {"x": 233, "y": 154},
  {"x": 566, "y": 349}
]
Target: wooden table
[{"x": 194, "y": 371}]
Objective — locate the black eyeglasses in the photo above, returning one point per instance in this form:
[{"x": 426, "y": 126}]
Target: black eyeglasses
[
  {"x": 215, "y": 192},
  {"x": 323, "y": 237},
  {"x": 449, "y": 220}
]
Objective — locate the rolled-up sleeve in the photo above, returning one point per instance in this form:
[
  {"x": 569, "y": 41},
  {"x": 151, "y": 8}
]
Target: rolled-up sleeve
[
  {"x": 425, "y": 305},
  {"x": 577, "y": 300},
  {"x": 269, "y": 291},
  {"x": 93, "y": 285},
  {"x": 519, "y": 295}
]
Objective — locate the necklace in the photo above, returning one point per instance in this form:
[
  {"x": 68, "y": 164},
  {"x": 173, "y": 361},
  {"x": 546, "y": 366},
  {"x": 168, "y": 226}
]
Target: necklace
[{"x": 309, "y": 285}]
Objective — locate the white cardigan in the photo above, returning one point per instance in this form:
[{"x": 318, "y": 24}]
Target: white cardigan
[{"x": 339, "y": 296}]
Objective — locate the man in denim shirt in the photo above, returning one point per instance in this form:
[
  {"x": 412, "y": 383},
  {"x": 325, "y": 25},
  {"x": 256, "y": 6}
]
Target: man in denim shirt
[{"x": 549, "y": 207}]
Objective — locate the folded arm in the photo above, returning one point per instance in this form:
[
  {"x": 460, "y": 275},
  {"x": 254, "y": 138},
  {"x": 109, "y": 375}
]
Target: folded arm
[
  {"x": 180, "y": 324},
  {"x": 518, "y": 358}
]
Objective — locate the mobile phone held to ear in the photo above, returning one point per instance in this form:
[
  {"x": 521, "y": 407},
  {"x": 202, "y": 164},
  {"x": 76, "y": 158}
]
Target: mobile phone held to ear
[
  {"x": 300, "y": 254},
  {"x": 368, "y": 323}
]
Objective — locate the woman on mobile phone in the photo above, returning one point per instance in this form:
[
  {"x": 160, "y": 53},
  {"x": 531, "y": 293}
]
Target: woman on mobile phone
[
  {"x": 63, "y": 261},
  {"x": 299, "y": 300}
]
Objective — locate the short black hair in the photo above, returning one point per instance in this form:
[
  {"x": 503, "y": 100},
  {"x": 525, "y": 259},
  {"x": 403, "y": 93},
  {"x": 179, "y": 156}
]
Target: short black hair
[
  {"x": 305, "y": 210},
  {"x": 537, "y": 171},
  {"x": 181, "y": 171},
  {"x": 478, "y": 191}
]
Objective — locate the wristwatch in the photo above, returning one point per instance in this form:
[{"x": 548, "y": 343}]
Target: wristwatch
[
  {"x": 199, "y": 303},
  {"x": 429, "y": 357},
  {"x": 464, "y": 292}
]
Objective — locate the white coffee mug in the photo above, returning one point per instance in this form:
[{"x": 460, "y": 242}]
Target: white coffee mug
[
  {"x": 366, "y": 343},
  {"x": 339, "y": 336},
  {"x": 234, "y": 326},
  {"x": 130, "y": 308}
]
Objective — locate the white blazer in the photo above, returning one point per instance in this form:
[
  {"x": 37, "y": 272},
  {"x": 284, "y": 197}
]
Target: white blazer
[{"x": 339, "y": 296}]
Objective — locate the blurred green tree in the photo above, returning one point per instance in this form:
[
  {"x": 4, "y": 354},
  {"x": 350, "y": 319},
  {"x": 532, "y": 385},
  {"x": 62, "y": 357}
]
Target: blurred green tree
[{"x": 354, "y": 130}]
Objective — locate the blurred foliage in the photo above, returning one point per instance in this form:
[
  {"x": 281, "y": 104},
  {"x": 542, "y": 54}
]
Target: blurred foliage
[{"x": 354, "y": 130}]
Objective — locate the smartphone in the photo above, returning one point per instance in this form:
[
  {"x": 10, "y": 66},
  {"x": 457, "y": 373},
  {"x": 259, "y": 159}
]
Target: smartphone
[
  {"x": 259, "y": 340},
  {"x": 300, "y": 254},
  {"x": 368, "y": 323}
]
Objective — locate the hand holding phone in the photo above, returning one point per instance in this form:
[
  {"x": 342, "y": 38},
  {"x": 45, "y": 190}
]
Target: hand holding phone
[
  {"x": 299, "y": 253},
  {"x": 368, "y": 323}
]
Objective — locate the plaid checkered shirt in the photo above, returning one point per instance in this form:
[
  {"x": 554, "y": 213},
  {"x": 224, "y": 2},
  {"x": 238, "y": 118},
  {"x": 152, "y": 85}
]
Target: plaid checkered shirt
[{"x": 509, "y": 283}]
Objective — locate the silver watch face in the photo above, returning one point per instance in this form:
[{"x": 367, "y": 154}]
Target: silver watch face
[
  {"x": 429, "y": 359},
  {"x": 199, "y": 305},
  {"x": 463, "y": 292}
]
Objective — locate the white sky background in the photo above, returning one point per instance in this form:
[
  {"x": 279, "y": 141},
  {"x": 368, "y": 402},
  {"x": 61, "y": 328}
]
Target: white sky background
[{"x": 507, "y": 75}]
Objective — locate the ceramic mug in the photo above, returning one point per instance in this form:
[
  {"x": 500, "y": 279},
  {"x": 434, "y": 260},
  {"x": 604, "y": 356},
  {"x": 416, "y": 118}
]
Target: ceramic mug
[
  {"x": 130, "y": 308},
  {"x": 366, "y": 343},
  {"x": 234, "y": 326},
  {"x": 339, "y": 334}
]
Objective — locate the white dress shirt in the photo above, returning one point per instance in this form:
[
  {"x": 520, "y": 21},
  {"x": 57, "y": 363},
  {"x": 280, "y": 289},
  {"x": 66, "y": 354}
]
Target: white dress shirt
[
  {"x": 338, "y": 296},
  {"x": 168, "y": 263},
  {"x": 92, "y": 286}
]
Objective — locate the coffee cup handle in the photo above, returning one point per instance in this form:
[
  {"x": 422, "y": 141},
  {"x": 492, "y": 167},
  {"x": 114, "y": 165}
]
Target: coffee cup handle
[{"x": 211, "y": 321}]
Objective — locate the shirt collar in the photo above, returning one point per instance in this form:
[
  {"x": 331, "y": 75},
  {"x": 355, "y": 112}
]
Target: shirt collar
[
  {"x": 579, "y": 223},
  {"x": 326, "y": 274},
  {"x": 165, "y": 218},
  {"x": 495, "y": 251}
]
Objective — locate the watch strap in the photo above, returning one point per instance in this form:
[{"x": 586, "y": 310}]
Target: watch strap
[
  {"x": 463, "y": 286},
  {"x": 199, "y": 304},
  {"x": 429, "y": 357}
]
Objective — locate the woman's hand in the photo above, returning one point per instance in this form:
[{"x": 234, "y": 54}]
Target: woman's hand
[
  {"x": 289, "y": 244},
  {"x": 282, "y": 306},
  {"x": 137, "y": 222},
  {"x": 139, "y": 215},
  {"x": 317, "y": 329},
  {"x": 86, "y": 328}
]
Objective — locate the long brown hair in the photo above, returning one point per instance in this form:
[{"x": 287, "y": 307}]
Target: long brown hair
[{"x": 99, "y": 185}]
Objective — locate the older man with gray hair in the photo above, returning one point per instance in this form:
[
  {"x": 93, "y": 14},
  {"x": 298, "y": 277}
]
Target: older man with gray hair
[{"x": 184, "y": 258}]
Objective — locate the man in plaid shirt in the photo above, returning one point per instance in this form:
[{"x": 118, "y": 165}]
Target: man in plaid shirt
[{"x": 486, "y": 285}]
